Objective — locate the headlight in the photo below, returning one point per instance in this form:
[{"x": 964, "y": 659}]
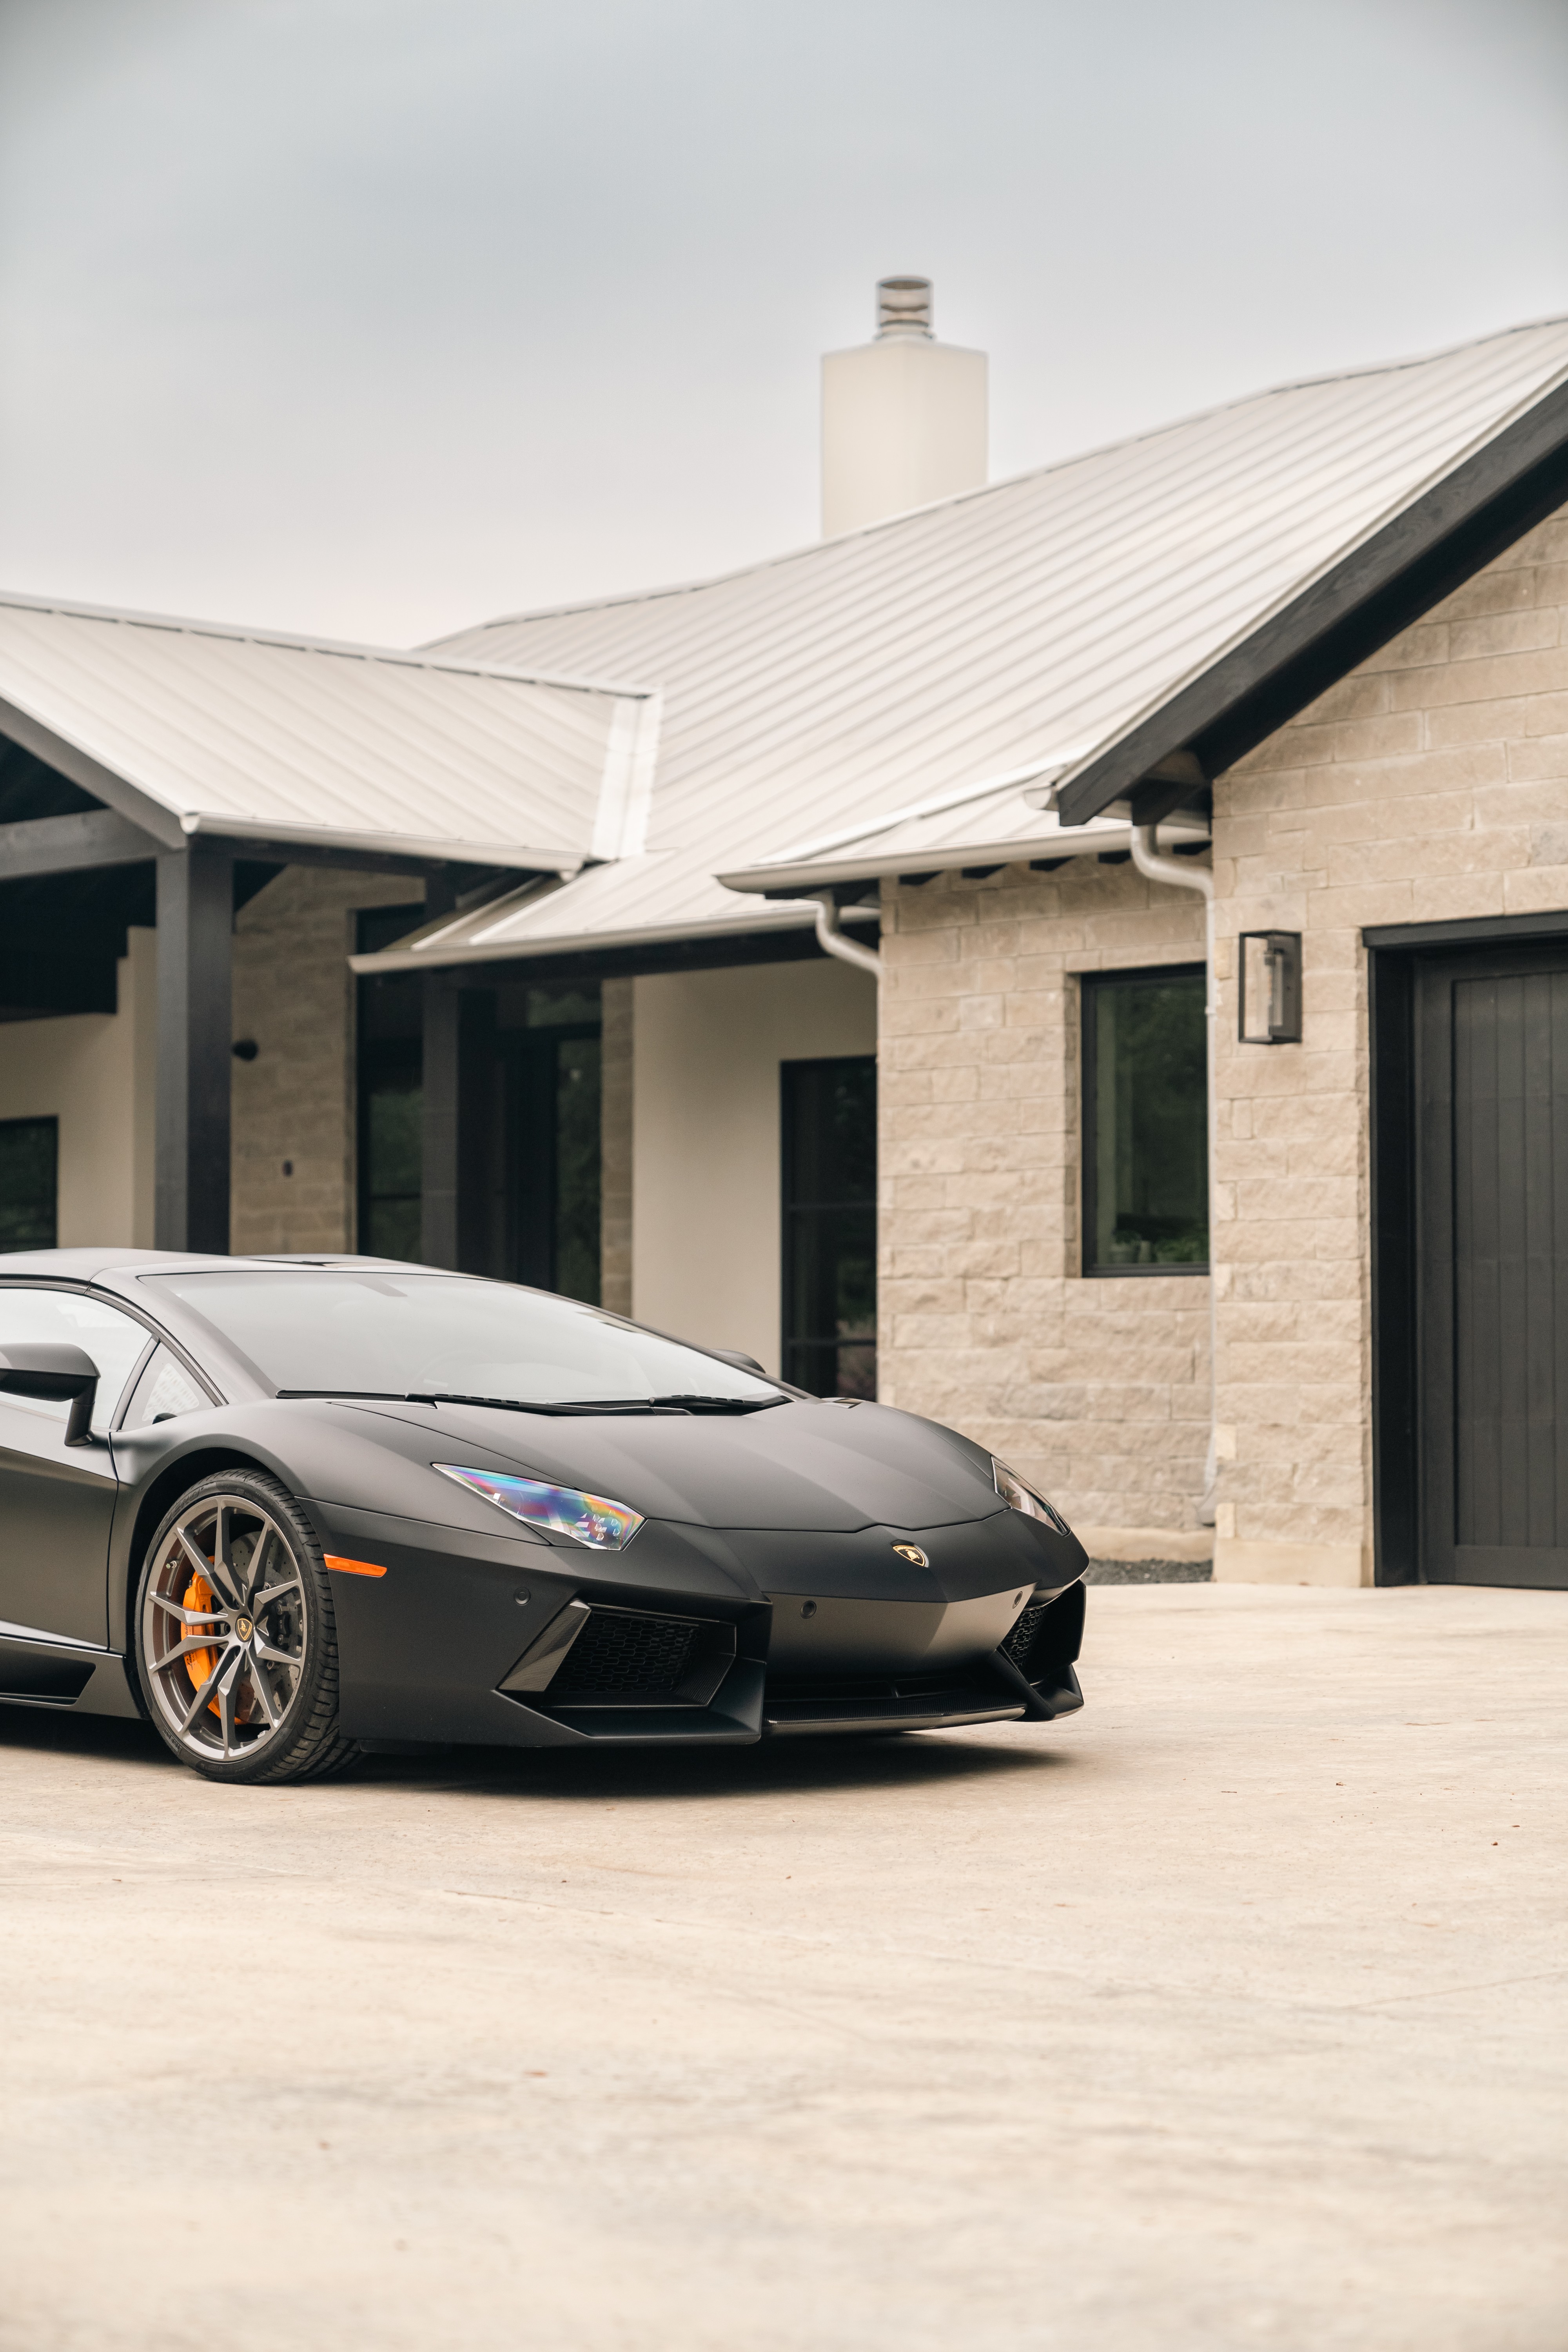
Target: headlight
[
  {"x": 586, "y": 1518},
  {"x": 1013, "y": 1492}
]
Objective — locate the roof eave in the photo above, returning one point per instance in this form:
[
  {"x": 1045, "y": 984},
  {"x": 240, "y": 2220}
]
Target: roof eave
[
  {"x": 874, "y": 866},
  {"x": 785, "y": 917},
  {"x": 1379, "y": 587}
]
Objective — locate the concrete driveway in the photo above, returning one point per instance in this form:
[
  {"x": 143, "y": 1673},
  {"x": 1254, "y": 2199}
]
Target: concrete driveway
[{"x": 1230, "y": 2014}]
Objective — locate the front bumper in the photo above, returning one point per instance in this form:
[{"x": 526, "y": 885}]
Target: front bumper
[{"x": 699, "y": 1636}]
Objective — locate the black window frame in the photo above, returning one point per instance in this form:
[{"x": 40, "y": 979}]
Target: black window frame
[
  {"x": 790, "y": 1340},
  {"x": 383, "y": 1062},
  {"x": 1090, "y": 983}
]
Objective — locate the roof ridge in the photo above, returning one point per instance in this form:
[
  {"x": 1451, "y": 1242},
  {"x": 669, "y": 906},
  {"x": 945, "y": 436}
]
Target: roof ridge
[
  {"x": 300, "y": 641},
  {"x": 1008, "y": 482}
]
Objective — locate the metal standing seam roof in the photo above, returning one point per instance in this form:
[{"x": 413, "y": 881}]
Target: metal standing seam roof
[
  {"x": 996, "y": 823},
  {"x": 189, "y": 728},
  {"x": 1018, "y": 628}
]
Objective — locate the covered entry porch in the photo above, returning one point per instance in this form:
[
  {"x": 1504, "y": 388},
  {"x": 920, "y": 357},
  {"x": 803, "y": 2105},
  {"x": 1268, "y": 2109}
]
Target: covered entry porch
[
  {"x": 683, "y": 1130},
  {"x": 190, "y": 817}
]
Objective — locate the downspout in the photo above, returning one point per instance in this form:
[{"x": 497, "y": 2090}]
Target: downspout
[
  {"x": 833, "y": 939},
  {"x": 1148, "y": 859}
]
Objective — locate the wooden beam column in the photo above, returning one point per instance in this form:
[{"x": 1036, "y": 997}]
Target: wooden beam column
[{"x": 195, "y": 936}]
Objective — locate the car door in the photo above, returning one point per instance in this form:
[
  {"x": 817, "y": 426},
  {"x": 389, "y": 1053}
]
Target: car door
[{"x": 57, "y": 1501}]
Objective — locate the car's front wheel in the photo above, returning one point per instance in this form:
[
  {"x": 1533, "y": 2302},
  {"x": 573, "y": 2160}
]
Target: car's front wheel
[{"x": 236, "y": 1644}]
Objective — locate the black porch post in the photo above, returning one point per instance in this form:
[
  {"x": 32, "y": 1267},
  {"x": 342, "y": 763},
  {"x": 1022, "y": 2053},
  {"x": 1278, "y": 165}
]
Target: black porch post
[{"x": 195, "y": 933}]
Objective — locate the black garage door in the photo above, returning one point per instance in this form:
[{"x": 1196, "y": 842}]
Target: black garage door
[{"x": 1490, "y": 1165}]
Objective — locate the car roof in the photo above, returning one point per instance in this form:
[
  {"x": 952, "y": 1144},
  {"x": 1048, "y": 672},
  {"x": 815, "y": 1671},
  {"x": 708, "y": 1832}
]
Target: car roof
[{"x": 94, "y": 1264}]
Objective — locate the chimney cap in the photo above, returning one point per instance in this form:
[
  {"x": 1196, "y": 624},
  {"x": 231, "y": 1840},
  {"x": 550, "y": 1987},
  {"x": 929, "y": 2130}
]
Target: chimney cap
[{"x": 903, "y": 306}]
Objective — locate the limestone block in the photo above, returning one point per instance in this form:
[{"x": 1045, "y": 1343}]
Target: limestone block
[
  {"x": 1239, "y": 1560},
  {"x": 1471, "y": 723},
  {"x": 1527, "y": 630},
  {"x": 936, "y": 1226},
  {"x": 1363, "y": 695},
  {"x": 1541, "y": 887},
  {"x": 1446, "y": 899},
  {"x": 903, "y": 1261},
  {"x": 1418, "y": 647},
  {"x": 1496, "y": 678},
  {"x": 1498, "y": 589}
]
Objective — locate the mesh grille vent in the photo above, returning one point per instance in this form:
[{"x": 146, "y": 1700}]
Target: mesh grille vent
[
  {"x": 1021, "y": 1639},
  {"x": 620, "y": 1651}
]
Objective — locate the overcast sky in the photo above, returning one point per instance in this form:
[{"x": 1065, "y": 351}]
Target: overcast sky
[{"x": 377, "y": 317}]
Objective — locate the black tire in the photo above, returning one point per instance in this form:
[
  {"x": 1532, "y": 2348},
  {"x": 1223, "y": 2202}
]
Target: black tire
[{"x": 273, "y": 1658}]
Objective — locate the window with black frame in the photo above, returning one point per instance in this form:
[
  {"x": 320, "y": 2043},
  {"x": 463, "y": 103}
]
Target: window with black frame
[
  {"x": 541, "y": 1120},
  {"x": 30, "y": 1182},
  {"x": 1145, "y": 1123},
  {"x": 829, "y": 1111},
  {"x": 552, "y": 1094},
  {"x": 391, "y": 1092}
]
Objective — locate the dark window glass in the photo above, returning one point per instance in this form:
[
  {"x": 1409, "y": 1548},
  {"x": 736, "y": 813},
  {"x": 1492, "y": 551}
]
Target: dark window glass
[
  {"x": 391, "y": 1144},
  {"x": 830, "y": 1226},
  {"x": 391, "y": 1102},
  {"x": 1145, "y": 1123},
  {"x": 577, "y": 1161},
  {"x": 537, "y": 1127},
  {"x": 30, "y": 1182}
]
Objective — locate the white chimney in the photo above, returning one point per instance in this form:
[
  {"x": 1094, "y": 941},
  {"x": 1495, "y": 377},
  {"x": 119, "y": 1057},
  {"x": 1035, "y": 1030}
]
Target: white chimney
[{"x": 904, "y": 419}]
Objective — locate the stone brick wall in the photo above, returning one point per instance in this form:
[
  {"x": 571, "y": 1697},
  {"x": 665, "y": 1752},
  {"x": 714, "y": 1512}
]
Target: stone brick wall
[
  {"x": 294, "y": 1105},
  {"x": 1431, "y": 783},
  {"x": 1097, "y": 1389}
]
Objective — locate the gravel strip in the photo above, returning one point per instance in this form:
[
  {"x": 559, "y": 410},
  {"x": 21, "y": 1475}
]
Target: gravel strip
[{"x": 1148, "y": 1571}]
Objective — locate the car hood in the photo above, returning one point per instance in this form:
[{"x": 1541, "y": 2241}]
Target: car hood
[{"x": 807, "y": 1465}]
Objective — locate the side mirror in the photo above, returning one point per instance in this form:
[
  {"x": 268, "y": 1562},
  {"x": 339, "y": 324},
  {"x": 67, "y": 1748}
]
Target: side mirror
[{"x": 55, "y": 1375}]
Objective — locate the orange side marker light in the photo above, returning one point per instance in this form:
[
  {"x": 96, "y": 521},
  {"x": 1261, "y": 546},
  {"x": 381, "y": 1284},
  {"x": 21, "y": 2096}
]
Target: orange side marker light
[{"x": 353, "y": 1566}]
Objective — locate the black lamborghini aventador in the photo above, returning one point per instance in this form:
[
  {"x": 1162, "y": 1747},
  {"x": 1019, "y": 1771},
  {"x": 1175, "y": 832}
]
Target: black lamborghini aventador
[{"x": 288, "y": 1509}]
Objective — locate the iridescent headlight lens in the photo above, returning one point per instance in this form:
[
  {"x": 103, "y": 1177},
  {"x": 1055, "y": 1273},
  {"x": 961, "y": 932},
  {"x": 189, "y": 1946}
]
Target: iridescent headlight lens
[
  {"x": 560, "y": 1510},
  {"x": 1013, "y": 1492}
]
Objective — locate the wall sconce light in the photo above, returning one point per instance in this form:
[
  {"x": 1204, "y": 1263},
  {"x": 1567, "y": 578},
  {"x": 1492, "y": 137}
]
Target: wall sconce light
[{"x": 1269, "y": 1010}]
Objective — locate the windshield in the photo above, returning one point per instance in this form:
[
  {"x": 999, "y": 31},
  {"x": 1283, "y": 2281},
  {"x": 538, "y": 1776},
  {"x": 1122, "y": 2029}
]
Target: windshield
[{"x": 326, "y": 1330}]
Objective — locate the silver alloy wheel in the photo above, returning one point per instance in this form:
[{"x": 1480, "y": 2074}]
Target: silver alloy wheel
[{"x": 225, "y": 1625}]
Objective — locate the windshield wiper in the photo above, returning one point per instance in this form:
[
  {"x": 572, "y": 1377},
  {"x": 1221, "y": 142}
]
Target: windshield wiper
[
  {"x": 559, "y": 1406},
  {"x": 698, "y": 1403}
]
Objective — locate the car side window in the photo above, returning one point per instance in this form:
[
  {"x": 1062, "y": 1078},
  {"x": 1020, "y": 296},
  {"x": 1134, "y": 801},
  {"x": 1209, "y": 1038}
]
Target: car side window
[
  {"x": 165, "y": 1389},
  {"x": 115, "y": 1340}
]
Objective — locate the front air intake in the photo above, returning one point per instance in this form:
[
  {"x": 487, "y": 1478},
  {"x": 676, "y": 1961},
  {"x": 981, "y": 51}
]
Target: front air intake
[
  {"x": 594, "y": 1654},
  {"x": 621, "y": 1654}
]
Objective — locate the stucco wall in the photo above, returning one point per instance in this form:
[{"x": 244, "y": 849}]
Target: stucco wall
[
  {"x": 1097, "y": 1389},
  {"x": 706, "y": 1136},
  {"x": 95, "y": 1073},
  {"x": 1431, "y": 783}
]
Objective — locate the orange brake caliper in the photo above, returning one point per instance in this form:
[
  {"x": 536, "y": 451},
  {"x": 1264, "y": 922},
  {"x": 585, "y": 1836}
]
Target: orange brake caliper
[{"x": 201, "y": 1665}]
